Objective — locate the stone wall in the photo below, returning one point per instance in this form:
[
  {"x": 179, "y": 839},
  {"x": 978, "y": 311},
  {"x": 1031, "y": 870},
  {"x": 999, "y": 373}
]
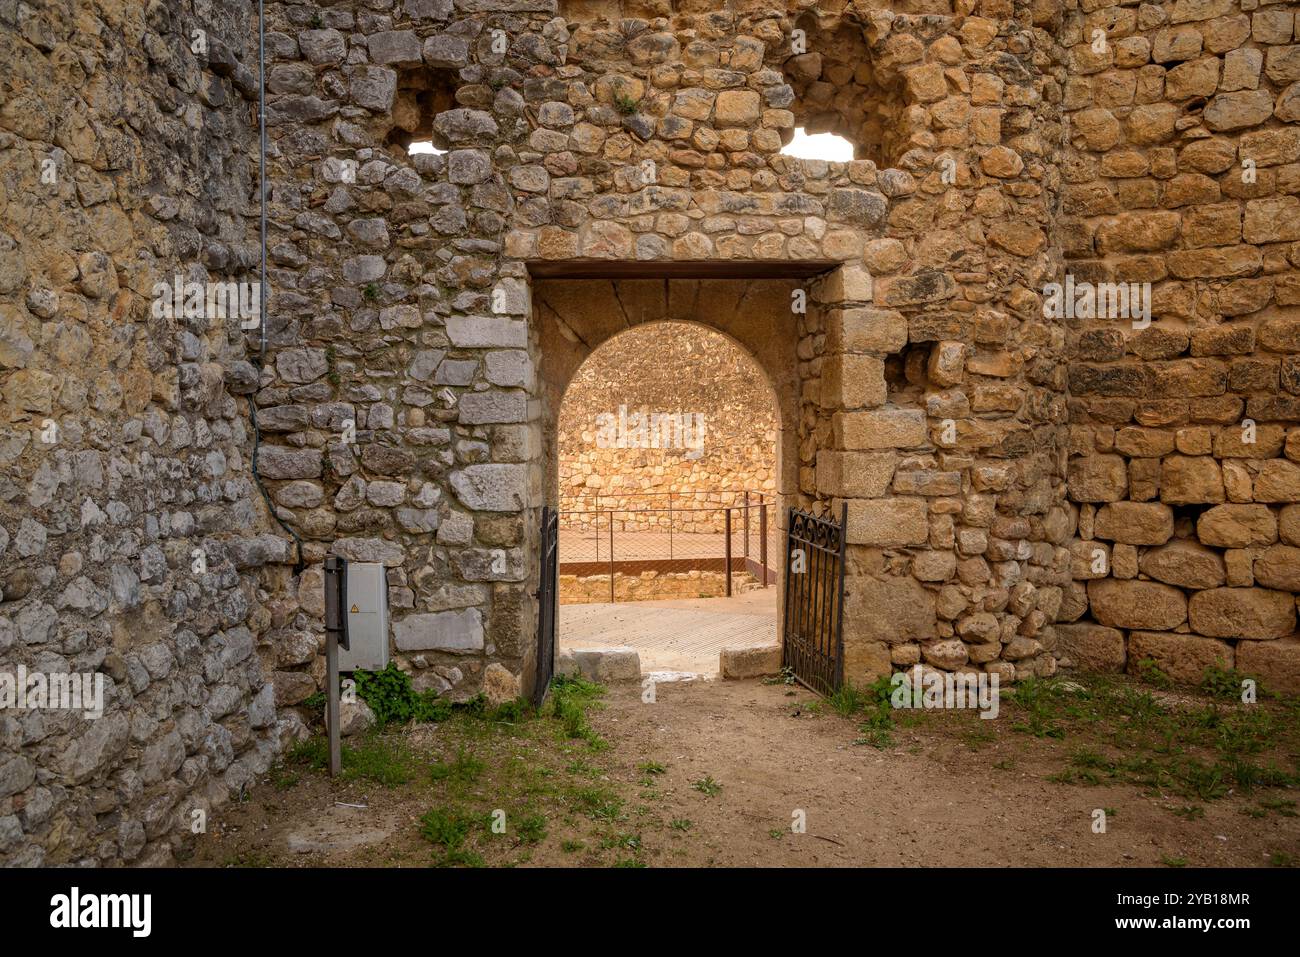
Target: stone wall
[
  {"x": 607, "y": 165},
  {"x": 134, "y": 541},
  {"x": 1182, "y": 171},
  {"x": 674, "y": 369},
  {"x": 653, "y": 586}
]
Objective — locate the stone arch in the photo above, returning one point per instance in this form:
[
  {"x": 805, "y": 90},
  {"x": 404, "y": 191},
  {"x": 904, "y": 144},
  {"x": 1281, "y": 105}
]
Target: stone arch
[{"x": 574, "y": 317}]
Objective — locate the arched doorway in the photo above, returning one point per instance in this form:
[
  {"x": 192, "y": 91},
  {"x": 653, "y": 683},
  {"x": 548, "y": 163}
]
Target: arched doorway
[
  {"x": 668, "y": 526},
  {"x": 627, "y": 363}
]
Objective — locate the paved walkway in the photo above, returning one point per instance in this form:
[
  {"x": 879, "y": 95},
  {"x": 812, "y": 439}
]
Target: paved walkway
[{"x": 675, "y": 635}]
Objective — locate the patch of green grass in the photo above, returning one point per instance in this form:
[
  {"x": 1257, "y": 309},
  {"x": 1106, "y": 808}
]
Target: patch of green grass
[
  {"x": 282, "y": 779},
  {"x": 447, "y": 826},
  {"x": 627, "y": 105},
  {"x": 1281, "y": 859},
  {"x": 572, "y": 847},
  {"x": 1150, "y": 672},
  {"x": 786, "y": 677},
  {"x": 376, "y": 758},
  {"x": 394, "y": 700},
  {"x": 1282, "y": 806},
  {"x": 1224, "y": 683},
  {"x": 571, "y": 697},
  {"x": 651, "y": 767},
  {"x": 681, "y": 824},
  {"x": 465, "y": 769},
  {"x": 1192, "y": 812},
  {"x": 1173, "y": 861},
  {"x": 776, "y": 833},
  {"x": 707, "y": 786},
  {"x": 847, "y": 700},
  {"x": 460, "y": 857},
  {"x": 1155, "y": 742},
  {"x": 248, "y": 859},
  {"x": 531, "y": 828},
  {"x": 1036, "y": 698},
  {"x": 599, "y": 804},
  {"x": 630, "y": 842},
  {"x": 511, "y": 712}
]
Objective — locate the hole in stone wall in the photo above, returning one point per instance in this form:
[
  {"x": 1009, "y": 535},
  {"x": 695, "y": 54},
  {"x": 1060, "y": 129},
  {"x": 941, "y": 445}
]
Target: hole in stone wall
[
  {"x": 818, "y": 146},
  {"x": 421, "y": 95},
  {"x": 423, "y": 146},
  {"x": 905, "y": 373},
  {"x": 838, "y": 92}
]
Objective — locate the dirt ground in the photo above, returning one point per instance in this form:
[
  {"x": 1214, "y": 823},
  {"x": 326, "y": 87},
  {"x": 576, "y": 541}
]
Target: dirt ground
[{"x": 717, "y": 773}]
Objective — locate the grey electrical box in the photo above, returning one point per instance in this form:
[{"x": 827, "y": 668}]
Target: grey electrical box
[{"x": 367, "y": 617}]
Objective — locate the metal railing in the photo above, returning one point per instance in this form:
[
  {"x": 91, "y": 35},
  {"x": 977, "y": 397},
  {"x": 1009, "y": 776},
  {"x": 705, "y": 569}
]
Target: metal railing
[{"x": 739, "y": 539}]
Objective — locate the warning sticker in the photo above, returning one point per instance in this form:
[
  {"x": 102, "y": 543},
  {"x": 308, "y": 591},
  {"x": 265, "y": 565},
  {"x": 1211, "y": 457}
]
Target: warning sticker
[{"x": 355, "y": 609}]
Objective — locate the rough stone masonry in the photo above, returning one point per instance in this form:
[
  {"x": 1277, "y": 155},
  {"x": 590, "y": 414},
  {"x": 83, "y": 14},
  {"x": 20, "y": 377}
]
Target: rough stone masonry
[{"x": 1025, "y": 488}]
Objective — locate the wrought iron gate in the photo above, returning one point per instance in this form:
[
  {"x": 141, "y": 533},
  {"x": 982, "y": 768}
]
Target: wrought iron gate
[
  {"x": 548, "y": 601},
  {"x": 814, "y": 600}
]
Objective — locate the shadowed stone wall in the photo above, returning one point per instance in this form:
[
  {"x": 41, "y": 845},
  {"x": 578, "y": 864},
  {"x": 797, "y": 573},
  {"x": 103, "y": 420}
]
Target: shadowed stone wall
[
  {"x": 134, "y": 542},
  {"x": 987, "y": 451}
]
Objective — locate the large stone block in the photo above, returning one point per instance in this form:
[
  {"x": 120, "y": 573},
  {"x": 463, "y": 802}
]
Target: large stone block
[
  {"x": 491, "y": 332},
  {"x": 400, "y": 47},
  {"x": 1091, "y": 647},
  {"x": 491, "y": 487},
  {"x": 892, "y": 610},
  {"x": 1278, "y": 566},
  {"x": 853, "y": 381},
  {"x": 1288, "y": 524},
  {"x": 1255, "y": 613},
  {"x": 1276, "y": 664},
  {"x": 888, "y": 522},
  {"x": 854, "y": 474},
  {"x": 850, "y": 283},
  {"x": 389, "y": 554},
  {"x": 1183, "y": 658},
  {"x": 737, "y": 108},
  {"x": 1136, "y": 604},
  {"x": 1135, "y": 523},
  {"x": 460, "y": 630},
  {"x": 1237, "y": 526},
  {"x": 1185, "y": 564},
  {"x": 276, "y": 462},
  {"x": 749, "y": 661},
  {"x": 1278, "y": 481},
  {"x": 865, "y": 329},
  {"x": 1186, "y": 480},
  {"x": 491, "y": 407},
  {"x": 1098, "y": 478},
  {"x": 865, "y": 661},
  {"x": 608, "y": 665},
  {"x": 880, "y": 429}
]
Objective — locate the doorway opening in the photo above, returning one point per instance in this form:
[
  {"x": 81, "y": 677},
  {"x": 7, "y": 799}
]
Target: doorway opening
[{"x": 669, "y": 518}]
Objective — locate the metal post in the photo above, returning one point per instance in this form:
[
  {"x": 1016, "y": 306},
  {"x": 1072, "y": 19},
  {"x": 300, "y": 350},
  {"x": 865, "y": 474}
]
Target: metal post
[
  {"x": 727, "y": 524},
  {"x": 612, "y": 598},
  {"x": 762, "y": 542},
  {"x": 335, "y": 626},
  {"x": 746, "y": 528}
]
